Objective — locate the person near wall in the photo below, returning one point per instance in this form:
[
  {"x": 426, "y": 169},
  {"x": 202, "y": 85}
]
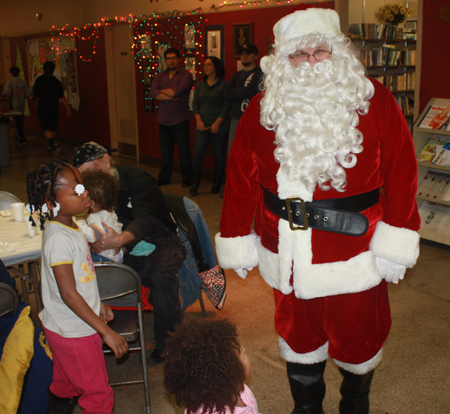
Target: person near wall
[
  {"x": 325, "y": 158},
  {"x": 17, "y": 90},
  {"x": 143, "y": 212},
  {"x": 211, "y": 112},
  {"x": 243, "y": 86},
  {"x": 49, "y": 92},
  {"x": 171, "y": 88}
]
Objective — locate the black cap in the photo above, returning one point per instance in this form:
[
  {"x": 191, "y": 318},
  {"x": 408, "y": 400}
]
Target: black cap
[
  {"x": 90, "y": 151},
  {"x": 249, "y": 49}
]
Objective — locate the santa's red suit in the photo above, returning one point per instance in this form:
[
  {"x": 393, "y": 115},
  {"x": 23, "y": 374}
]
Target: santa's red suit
[{"x": 314, "y": 272}]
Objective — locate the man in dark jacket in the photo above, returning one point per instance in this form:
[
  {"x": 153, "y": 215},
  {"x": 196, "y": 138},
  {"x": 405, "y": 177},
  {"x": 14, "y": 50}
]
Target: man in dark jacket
[{"x": 143, "y": 212}]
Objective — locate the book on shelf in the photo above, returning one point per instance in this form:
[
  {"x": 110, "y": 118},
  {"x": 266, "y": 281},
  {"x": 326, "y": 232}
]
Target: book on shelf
[
  {"x": 430, "y": 149},
  {"x": 435, "y": 217},
  {"x": 372, "y": 31},
  {"x": 437, "y": 117},
  {"x": 443, "y": 155}
]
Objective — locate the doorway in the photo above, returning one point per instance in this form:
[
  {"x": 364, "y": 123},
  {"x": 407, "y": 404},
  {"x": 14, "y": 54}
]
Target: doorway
[{"x": 121, "y": 90}]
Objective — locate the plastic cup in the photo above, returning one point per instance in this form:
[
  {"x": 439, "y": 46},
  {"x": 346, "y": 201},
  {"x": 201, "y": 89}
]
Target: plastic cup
[
  {"x": 30, "y": 229},
  {"x": 17, "y": 209}
]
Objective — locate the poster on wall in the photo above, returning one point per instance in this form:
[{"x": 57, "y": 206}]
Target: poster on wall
[
  {"x": 162, "y": 47},
  {"x": 43, "y": 50},
  {"x": 189, "y": 64},
  {"x": 215, "y": 41},
  {"x": 189, "y": 36}
]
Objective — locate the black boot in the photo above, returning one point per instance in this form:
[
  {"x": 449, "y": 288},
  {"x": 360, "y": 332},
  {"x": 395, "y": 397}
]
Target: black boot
[
  {"x": 57, "y": 405},
  {"x": 218, "y": 175},
  {"x": 355, "y": 393},
  {"x": 307, "y": 387},
  {"x": 196, "y": 177}
]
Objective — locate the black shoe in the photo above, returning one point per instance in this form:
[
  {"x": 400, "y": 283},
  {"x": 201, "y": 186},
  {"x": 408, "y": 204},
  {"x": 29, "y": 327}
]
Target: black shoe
[
  {"x": 156, "y": 357},
  {"x": 186, "y": 184},
  {"x": 161, "y": 182}
]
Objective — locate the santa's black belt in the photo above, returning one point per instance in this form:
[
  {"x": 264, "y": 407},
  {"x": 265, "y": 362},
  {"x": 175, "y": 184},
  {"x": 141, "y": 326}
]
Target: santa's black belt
[{"x": 336, "y": 215}]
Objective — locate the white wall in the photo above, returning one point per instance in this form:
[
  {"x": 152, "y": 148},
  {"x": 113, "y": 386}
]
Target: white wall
[{"x": 355, "y": 14}]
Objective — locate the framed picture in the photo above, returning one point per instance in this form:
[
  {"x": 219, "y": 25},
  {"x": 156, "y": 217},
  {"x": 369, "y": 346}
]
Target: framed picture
[
  {"x": 189, "y": 36},
  {"x": 161, "y": 50},
  {"x": 189, "y": 64},
  {"x": 242, "y": 35},
  {"x": 215, "y": 42}
]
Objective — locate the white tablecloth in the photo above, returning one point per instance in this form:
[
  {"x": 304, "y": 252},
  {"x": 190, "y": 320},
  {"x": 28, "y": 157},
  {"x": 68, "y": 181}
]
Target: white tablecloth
[{"x": 16, "y": 232}]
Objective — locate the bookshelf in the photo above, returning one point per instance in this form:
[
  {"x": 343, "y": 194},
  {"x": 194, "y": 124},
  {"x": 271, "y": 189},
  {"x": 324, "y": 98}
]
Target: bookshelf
[
  {"x": 389, "y": 55},
  {"x": 433, "y": 202}
]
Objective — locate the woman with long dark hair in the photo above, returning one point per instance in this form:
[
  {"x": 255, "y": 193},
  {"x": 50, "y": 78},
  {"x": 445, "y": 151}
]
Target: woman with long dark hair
[{"x": 211, "y": 112}]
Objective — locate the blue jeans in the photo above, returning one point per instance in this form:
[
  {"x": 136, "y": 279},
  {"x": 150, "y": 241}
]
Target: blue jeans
[
  {"x": 201, "y": 144},
  {"x": 169, "y": 135},
  {"x": 190, "y": 280}
]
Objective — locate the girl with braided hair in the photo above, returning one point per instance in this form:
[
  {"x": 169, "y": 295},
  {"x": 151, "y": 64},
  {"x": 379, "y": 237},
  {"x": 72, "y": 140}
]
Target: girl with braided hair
[
  {"x": 205, "y": 368},
  {"x": 73, "y": 317}
]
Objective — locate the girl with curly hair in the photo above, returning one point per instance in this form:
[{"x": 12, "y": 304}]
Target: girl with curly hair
[
  {"x": 205, "y": 368},
  {"x": 74, "y": 318}
]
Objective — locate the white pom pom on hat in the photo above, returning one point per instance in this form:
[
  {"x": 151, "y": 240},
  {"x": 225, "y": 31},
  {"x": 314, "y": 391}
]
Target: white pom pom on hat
[{"x": 303, "y": 22}]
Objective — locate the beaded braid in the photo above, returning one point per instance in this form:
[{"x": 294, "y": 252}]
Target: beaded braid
[{"x": 41, "y": 184}]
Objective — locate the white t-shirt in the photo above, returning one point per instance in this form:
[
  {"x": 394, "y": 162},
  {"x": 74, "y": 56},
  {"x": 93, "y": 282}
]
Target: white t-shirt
[
  {"x": 93, "y": 230},
  {"x": 64, "y": 245},
  {"x": 247, "y": 398}
]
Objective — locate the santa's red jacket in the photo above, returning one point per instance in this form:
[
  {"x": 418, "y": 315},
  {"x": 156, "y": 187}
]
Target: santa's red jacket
[{"x": 322, "y": 263}]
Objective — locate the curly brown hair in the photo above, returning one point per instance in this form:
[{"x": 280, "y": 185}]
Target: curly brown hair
[
  {"x": 103, "y": 188},
  {"x": 202, "y": 367}
]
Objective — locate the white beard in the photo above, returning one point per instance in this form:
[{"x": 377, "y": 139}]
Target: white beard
[{"x": 314, "y": 111}]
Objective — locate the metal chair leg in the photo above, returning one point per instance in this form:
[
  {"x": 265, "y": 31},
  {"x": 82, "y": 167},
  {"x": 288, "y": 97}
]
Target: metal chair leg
[{"x": 202, "y": 305}]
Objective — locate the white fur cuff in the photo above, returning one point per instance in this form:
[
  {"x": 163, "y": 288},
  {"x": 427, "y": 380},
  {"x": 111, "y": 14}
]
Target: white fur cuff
[
  {"x": 396, "y": 244},
  {"x": 237, "y": 252},
  {"x": 289, "y": 355},
  {"x": 363, "y": 368}
]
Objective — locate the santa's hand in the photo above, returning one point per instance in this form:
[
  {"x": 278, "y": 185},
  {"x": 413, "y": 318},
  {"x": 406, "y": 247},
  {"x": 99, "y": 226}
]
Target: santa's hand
[
  {"x": 390, "y": 271},
  {"x": 242, "y": 272}
]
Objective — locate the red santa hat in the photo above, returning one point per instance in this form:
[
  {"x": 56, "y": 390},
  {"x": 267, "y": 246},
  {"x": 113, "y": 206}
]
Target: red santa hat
[{"x": 303, "y": 22}]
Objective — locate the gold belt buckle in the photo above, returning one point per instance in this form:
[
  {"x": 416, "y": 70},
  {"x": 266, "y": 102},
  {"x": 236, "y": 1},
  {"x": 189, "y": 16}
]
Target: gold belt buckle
[{"x": 289, "y": 211}]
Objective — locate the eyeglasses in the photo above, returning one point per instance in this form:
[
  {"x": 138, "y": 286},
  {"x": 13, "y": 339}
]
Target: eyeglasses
[
  {"x": 319, "y": 55},
  {"x": 172, "y": 58},
  {"x": 207, "y": 64}
]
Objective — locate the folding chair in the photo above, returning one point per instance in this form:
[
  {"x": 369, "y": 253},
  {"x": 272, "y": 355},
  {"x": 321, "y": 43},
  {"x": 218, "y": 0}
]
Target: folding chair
[
  {"x": 6, "y": 199},
  {"x": 116, "y": 280},
  {"x": 9, "y": 301}
]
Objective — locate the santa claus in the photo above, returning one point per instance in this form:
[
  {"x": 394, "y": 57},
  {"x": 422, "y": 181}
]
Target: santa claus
[{"x": 325, "y": 158}]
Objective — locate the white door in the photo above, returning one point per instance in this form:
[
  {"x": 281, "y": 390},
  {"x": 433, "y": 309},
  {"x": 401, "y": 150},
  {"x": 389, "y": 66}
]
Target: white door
[{"x": 121, "y": 90}]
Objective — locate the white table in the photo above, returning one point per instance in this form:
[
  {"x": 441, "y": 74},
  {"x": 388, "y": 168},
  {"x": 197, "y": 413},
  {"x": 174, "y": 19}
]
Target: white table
[{"x": 29, "y": 251}]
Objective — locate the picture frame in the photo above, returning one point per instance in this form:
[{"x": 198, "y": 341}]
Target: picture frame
[
  {"x": 162, "y": 47},
  {"x": 215, "y": 40},
  {"x": 189, "y": 36},
  {"x": 190, "y": 65},
  {"x": 242, "y": 35}
]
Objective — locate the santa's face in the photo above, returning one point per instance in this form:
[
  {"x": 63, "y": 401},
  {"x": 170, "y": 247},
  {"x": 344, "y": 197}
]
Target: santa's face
[{"x": 312, "y": 55}]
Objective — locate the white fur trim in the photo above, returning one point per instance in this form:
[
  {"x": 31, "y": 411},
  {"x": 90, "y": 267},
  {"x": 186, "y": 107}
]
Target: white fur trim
[
  {"x": 303, "y": 22},
  {"x": 286, "y": 352},
  {"x": 365, "y": 367},
  {"x": 313, "y": 280},
  {"x": 396, "y": 244},
  {"x": 237, "y": 252}
]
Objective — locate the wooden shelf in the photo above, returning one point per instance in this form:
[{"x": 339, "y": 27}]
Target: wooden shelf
[{"x": 432, "y": 166}]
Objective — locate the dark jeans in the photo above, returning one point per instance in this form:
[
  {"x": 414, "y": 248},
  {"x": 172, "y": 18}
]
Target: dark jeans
[
  {"x": 18, "y": 122},
  {"x": 168, "y": 136},
  {"x": 158, "y": 271},
  {"x": 201, "y": 144}
]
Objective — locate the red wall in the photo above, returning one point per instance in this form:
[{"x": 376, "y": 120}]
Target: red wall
[
  {"x": 91, "y": 121},
  {"x": 435, "y": 80},
  {"x": 263, "y": 22}
]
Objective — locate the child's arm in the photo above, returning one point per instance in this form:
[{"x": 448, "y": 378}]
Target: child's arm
[{"x": 65, "y": 279}]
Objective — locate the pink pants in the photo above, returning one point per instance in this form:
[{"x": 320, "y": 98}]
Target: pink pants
[{"x": 79, "y": 369}]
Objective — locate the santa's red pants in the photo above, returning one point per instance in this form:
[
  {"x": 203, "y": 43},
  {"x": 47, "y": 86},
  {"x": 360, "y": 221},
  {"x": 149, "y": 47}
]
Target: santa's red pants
[{"x": 355, "y": 324}]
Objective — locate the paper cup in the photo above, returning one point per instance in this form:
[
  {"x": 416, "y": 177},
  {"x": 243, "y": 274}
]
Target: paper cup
[
  {"x": 17, "y": 209},
  {"x": 30, "y": 229}
]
